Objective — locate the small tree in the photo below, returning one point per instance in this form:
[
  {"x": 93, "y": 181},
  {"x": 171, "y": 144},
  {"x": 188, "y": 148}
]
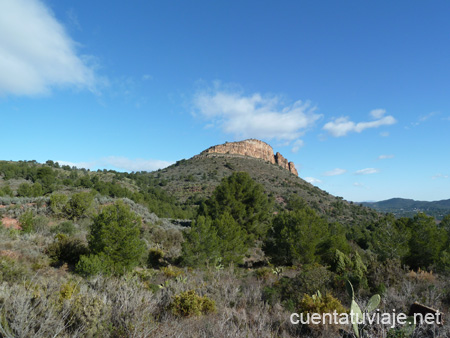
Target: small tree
[
  {"x": 57, "y": 203},
  {"x": 201, "y": 244},
  {"x": 115, "y": 236},
  {"x": 390, "y": 238},
  {"x": 79, "y": 205},
  {"x": 26, "y": 221},
  {"x": 232, "y": 239},
  {"x": 295, "y": 237},
  {"x": 244, "y": 199},
  {"x": 25, "y": 190},
  {"x": 425, "y": 243}
]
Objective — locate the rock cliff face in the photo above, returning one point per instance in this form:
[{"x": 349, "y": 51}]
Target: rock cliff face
[{"x": 252, "y": 148}]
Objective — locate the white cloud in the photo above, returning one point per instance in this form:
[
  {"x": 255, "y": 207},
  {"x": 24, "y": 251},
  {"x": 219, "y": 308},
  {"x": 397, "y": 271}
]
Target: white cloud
[
  {"x": 384, "y": 157},
  {"x": 428, "y": 116},
  {"x": 297, "y": 145},
  {"x": 120, "y": 163},
  {"x": 342, "y": 125},
  {"x": 378, "y": 113},
  {"x": 367, "y": 171},
  {"x": 335, "y": 172},
  {"x": 384, "y": 134},
  {"x": 439, "y": 176},
  {"x": 35, "y": 51},
  {"x": 358, "y": 184},
  {"x": 312, "y": 180},
  {"x": 255, "y": 116}
]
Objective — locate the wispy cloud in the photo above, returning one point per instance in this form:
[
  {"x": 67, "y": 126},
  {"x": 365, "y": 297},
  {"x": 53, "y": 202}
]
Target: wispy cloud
[
  {"x": 384, "y": 134},
  {"x": 428, "y": 116},
  {"x": 342, "y": 125},
  {"x": 120, "y": 163},
  {"x": 335, "y": 172},
  {"x": 378, "y": 113},
  {"x": 423, "y": 119},
  {"x": 439, "y": 176},
  {"x": 36, "y": 53},
  {"x": 312, "y": 180},
  {"x": 255, "y": 115},
  {"x": 297, "y": 145},
  {"x": 384, "y": 157},
  {"x": 367, "y": 171}
]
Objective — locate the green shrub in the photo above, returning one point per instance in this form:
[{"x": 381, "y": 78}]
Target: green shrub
[
  {"x": 66, "y": 250},
  {"x": 11, "y": 270},
  {"x": 172, "y": 271},
  {"x": 88, "y": 312},
  {"x": 67, "y": 290},
  {"x": 57, "y": 203},
  {"x": 91, "y": 265},
  {"x": 320, "y": 304},
  {"x": 290, "y": 291},
  {"x": 40, "y": 223},
  {"x": 26, "y": 221},
  {"x": 155, "y": 258},
  {"x": 79, "y": 205},
  {"x": 66, "y": 227},
  {"x": 351, "y": 268},
  {"x": 397, "y": 333},
  {"x": 188, "y": 304},
  {"x": 264, "y": 273}
]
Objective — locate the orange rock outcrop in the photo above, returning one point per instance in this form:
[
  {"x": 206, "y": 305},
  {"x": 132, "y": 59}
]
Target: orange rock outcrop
[{"x": 252, "y": 148}]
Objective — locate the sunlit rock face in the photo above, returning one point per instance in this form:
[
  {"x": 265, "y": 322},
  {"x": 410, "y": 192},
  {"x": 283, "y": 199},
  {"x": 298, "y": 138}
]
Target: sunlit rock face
[{"x": 252, "y": 148}]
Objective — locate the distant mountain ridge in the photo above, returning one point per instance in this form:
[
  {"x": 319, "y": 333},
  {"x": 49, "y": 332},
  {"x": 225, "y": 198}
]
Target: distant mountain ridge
[{"x": 403, "y": 207}]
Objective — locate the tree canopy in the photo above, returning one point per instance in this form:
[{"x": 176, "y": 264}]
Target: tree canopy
[{"x": 241, "y": 197}]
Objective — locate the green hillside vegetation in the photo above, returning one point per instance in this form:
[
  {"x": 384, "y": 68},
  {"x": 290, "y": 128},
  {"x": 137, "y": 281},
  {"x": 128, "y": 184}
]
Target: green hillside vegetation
[
  {"x": 212, "y": 246},
  {"x": 191, "y": 181}
]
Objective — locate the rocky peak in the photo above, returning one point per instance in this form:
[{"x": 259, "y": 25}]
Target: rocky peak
[{"x": 252, "y": 148}]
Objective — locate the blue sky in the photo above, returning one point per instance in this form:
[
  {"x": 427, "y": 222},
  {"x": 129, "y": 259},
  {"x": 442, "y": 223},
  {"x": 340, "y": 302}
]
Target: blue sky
[{"x": 355, "y": 93}]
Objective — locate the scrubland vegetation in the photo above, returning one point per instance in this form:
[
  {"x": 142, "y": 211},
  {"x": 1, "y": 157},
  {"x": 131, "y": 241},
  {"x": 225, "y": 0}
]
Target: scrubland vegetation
[{"x": 107, "y": 254}]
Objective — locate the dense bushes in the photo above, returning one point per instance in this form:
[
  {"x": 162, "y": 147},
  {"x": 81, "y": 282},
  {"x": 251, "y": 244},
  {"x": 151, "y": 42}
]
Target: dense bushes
[{"x": 45, "y": 179}]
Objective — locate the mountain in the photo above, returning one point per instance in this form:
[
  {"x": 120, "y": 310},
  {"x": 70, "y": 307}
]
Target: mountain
[
  {"x": 178, "y": 190},
  {"x": 402, "y": 207},
  {"x": 190, "y": 181}
]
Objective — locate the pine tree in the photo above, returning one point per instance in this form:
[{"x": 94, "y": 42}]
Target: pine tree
[
  {"x": 295, "y": 237},
  {"x": 115, "y": 234},
  {"x": 201, "y": 245},
  {"x": 244, "y": 199},
  {"x": 426, "y": 242},
  {"x": 232, "y": 239}
]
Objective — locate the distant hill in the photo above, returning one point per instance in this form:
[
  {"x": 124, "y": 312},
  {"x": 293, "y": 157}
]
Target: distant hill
[
  {"x": 178, "y": 190},
  {"x": 402, "y": 207},
  {"x": 190, "y": 181}
]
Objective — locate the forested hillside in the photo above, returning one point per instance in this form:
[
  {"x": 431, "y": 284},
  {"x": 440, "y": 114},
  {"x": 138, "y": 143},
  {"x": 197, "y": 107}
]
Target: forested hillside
[{"x": 212, "y": 246}]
